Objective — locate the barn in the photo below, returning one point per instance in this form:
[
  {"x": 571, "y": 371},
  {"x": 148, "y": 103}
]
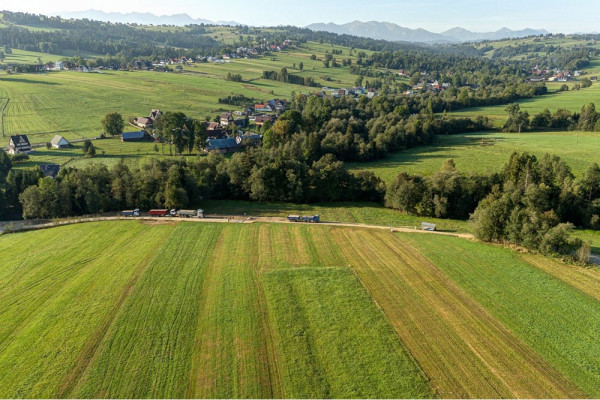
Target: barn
[
  {"x": 59, "y": 142},
  {"x": 140, "y": 136},
  {"x": 222, "y": 145}
]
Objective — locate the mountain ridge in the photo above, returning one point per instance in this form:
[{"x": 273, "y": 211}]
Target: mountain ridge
[
  {"x": 141, "y": 18},
  {"x": 393, "y": 32}
]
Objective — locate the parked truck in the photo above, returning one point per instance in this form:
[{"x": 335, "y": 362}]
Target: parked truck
[
  {"x": 158, "y": 213},
  {"x": 199, "y": 213},
  {"x": 304, "y": 218},
  {"x": 131, "y": 213}
]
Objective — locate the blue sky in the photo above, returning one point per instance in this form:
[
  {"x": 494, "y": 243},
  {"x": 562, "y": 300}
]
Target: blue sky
[{"x": 434, "y": 15}]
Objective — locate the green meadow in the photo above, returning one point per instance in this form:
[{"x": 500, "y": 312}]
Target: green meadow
[
  {"x": 134, "y": 309},
  {"x": 488, "y": 152}
]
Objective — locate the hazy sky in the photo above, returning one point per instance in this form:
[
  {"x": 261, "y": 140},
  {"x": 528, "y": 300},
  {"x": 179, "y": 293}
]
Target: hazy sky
[{"x": 565, "y": 16}]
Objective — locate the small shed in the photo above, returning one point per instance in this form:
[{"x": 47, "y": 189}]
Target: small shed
[
  {"x": 427, "y": 226},
  {"x": 19, "y": 144},
  {"x": 60, "y": 142}
]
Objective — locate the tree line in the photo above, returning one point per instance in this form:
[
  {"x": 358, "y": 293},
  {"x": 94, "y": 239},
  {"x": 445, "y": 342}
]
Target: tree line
[
  {"x": 562, "y": 119},
  {"x": 534, "y": 203}
]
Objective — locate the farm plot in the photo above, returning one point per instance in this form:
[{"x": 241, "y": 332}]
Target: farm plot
[
  {"x": 57, "y": 296},
  {"x": 486, "y": 153},
  {"x": 559, "y": 321},
  {"x": 198, "y": 310},
  {"x": 464, "y": 350}
]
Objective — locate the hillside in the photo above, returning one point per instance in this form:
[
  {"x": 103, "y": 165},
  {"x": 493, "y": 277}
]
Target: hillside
[{"x": 281, "y": 310}]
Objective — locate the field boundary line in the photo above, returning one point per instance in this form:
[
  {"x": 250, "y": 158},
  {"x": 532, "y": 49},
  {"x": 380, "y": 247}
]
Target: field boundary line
[{"x": 2, "y": 110}]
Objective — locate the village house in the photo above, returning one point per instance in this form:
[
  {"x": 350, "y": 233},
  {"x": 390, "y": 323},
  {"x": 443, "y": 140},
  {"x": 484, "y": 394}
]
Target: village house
[
  {"x": 214, "y": 130},
  {"x": 59, "y": 142},
  {"x": 226, "y": 119},
  {"x": 19, "y": 144},
  {"x": 262, "y": 108},
  {"x": 147, "y": 122},
  {"x": 143, "y": 122},
  {"x": 261, "y": 119}
]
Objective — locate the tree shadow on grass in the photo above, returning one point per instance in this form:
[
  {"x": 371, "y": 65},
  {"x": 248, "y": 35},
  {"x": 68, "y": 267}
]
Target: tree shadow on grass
[{"x": 23, "y": 80}]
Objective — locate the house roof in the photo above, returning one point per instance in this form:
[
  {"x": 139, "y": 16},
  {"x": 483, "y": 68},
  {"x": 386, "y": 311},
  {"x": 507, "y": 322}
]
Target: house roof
[
  {"x": 211, "y": 126},
  {"x": 20, "y": 142},
  {"x": 263, "y": 118},
  {"x": 59, "y": 141},
  {"x": 133, "y": 135},
  {"x": 143, "y": 120},
  {"x": 227, "y": 143}
]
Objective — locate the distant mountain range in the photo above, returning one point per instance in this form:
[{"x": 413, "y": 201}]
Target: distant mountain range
[
  {"x": 393, "y": 32},
  {"x": 141, "y": 18}
]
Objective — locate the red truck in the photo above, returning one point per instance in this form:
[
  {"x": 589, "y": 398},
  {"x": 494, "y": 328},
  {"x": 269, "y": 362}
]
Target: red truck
[{"x": 159, "y": 213}]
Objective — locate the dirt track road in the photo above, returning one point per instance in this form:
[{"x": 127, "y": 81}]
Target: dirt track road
[{"x": 240, "y": 219}]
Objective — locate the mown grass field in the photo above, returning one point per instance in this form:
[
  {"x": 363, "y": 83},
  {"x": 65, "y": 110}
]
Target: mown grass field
[
  {"x": 572, "y": 100},
  {"x": 72, "y": 104},
  {"x": 488, "y": 152},
  {"x": 295, "y": 311},
  {"x": 198, "y": 310}
]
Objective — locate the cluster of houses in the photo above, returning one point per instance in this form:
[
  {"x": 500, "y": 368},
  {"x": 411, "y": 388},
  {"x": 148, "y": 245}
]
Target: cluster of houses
[
  {"x": 328, "y": 93},
  {"x": 555, "y": 75},
  {"x": 428, "y": 86}
]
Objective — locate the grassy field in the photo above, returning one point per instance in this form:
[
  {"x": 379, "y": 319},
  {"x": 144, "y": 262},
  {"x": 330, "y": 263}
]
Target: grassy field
[
  {"x": 295, "y": 311},
  {"x": 572, "y": 100},
  {"x": 488, "y": 152},
  {"x": 555, "y": 318},
  {"x": 197, "y": 310},
  {"x": 72, "y": 103}
]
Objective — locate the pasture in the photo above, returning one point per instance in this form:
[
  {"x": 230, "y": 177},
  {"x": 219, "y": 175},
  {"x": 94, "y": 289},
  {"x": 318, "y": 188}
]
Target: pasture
[
  {"x": 572, "y": 100},
  {"x": 200, "y": 310},
  {"x": 487, "y": 152},
  {"x": 282, "y": 310},
  {"x": 72, "y": 103}
]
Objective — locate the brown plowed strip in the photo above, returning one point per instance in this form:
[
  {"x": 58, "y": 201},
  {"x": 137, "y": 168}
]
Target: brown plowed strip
[
  {"x": 465, "y": 351},
  {"x": 583, "y": 279}
]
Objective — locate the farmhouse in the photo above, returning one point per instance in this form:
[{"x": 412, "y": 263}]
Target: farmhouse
[
  {"x": 143, "y": 122},
  {"x": 19, "y": 144},
  {"x": 146, "y": 122},
  {"x": 226, "y": 119},
  {"x": 261, "y": 119},
  {"x": 262, "y": 108},
  {"x": 140, "y": 136},
  {"x": 214, "y": 131},
  {"x": 59, "y": 142}
]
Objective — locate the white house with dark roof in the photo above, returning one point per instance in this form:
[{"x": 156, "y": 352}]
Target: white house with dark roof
[{"x": 19, "y": 144}]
